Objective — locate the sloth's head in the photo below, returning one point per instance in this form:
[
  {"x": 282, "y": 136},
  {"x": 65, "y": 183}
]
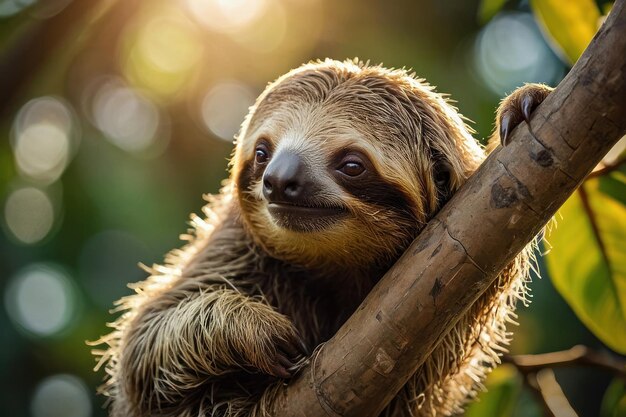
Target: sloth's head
[{"x": 342, "y": 164}]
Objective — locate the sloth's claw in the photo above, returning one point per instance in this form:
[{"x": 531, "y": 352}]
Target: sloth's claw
[
  {"x": 290, "y": 355},
  {"x": 518, "y": 107},
  {"x": 281, "y": 368},
  {"x": 528, "y": 106},
  {"x": 506, "y": 126}
]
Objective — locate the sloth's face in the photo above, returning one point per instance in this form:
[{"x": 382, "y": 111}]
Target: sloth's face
[
  {"x": 337, "y": 173},
  {"x": 305, "y": 182},
  {"x": 295, "y": 190},
  {"x": 314, "y": 184}
]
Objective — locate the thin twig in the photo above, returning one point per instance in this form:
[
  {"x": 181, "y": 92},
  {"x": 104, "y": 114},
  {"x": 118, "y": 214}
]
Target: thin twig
[
  {"x": 553, "y": 395},
  {"x": 540, "y": 380},
  {"x": 530, "y": 382},
  {"x": 576, "y": 356}
]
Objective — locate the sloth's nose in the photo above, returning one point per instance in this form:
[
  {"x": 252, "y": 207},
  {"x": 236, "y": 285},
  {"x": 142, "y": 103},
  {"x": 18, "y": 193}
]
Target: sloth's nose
[{"x": 285, "y": 178}]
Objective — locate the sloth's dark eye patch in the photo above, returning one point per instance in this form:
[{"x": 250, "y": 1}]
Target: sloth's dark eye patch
[{"x": 356, "y": 174}]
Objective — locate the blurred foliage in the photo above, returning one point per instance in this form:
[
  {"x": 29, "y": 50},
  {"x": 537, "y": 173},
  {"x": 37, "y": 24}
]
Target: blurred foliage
[
  {"x": 587, "y": 261},
  {"x": 614, "y": 403},
  {"x": 570, "y": 25},
  {"x": 116, "y": 116},
  {"x": 587, "y": 244},
  {"x": 489, "y": 8},
  {"x": 504, "y": 388}
]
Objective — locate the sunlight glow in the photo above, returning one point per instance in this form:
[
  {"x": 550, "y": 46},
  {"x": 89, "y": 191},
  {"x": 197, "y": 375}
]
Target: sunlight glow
[
  {"x": 168, "y": 45},
  {"x": 226, "y": 16},
  {"x": 162, "y": 54},
  {"x": 267, "y": 32},
  {"x": 224, "y": 108}
]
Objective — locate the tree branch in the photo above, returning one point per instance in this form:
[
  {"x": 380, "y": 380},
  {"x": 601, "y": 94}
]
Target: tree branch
[{"x": 359, "y": 370}]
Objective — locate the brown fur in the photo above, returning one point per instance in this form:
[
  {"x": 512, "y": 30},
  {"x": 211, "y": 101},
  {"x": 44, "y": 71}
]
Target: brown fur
[{"x": 199, "y": 336}]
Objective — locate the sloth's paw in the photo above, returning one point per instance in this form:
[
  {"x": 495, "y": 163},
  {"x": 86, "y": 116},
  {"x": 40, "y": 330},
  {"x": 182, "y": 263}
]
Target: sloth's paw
[
  {"x": 276, "y": 349},
  {"x": 518, "y": 107},
  {"x": 290, "y": 355}
]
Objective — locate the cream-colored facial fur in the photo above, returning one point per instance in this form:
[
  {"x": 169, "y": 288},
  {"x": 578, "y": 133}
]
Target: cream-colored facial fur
[{"x": 393, "y": 119}]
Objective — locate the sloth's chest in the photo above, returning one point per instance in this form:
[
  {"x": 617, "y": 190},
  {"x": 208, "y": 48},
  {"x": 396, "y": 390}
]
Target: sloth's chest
[{"x": 316, "y": 310}]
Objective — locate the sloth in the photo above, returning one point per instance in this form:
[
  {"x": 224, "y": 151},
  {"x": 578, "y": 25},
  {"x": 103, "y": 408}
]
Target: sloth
[{"x": 337, "y": 168}]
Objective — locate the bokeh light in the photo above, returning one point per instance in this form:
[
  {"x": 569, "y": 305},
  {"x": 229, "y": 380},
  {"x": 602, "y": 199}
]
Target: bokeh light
[
  {"x": 29, "y": 214},
  {"x": 42, "y": 139},
  {"x": 61, "y": 395},
  {"x": 510, "y": 51},
  {"x": 226, "y": 16},
  {"x": 225, "y": 106},
  {"x": 161, "y": 54},
  {"x": 11, "y": 7},
  {"x": 267, "y": 32},
  {"x": 128, "y": 119},
  {"x": 41, "y": 300}
]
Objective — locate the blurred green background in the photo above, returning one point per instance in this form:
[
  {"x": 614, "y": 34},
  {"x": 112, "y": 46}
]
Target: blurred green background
[{"x": 116, "y": 116}]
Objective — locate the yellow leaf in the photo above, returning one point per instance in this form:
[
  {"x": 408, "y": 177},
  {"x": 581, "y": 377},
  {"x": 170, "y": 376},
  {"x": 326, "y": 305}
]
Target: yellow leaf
[
  {"x": 488, "y": 9},
  {"x": 569, "y": 25},
  {"x": 504, "y": 386},
  {"x": 587, "y": 262}
]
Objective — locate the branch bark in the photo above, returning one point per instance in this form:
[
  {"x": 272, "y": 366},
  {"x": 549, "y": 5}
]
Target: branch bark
[{"x": 511, "y": 197}]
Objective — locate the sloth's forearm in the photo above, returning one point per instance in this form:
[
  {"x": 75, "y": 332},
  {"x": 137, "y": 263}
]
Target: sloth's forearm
[{"x": 170, "y": 352}]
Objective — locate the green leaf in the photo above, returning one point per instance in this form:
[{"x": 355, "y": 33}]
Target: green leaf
[
  {"x": 503, "y": 389},
  {"x": 614, "y": 401},
  {"x": 569, "y": 25},
  {"x": 488, "y": 9},
  {"x": 587, "y": 262}
]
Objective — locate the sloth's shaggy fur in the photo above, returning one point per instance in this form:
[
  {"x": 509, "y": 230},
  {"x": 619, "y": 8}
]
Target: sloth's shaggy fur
[{"x": 199, "y": 336}]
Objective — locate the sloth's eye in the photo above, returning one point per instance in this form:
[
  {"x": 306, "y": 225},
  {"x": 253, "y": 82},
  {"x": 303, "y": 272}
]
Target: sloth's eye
[
  {"x": 261, "y": 155},
  {"x": 352, "y": 168}
]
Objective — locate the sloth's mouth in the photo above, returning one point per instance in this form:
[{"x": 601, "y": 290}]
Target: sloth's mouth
[{"x": 305, "y": 218}]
